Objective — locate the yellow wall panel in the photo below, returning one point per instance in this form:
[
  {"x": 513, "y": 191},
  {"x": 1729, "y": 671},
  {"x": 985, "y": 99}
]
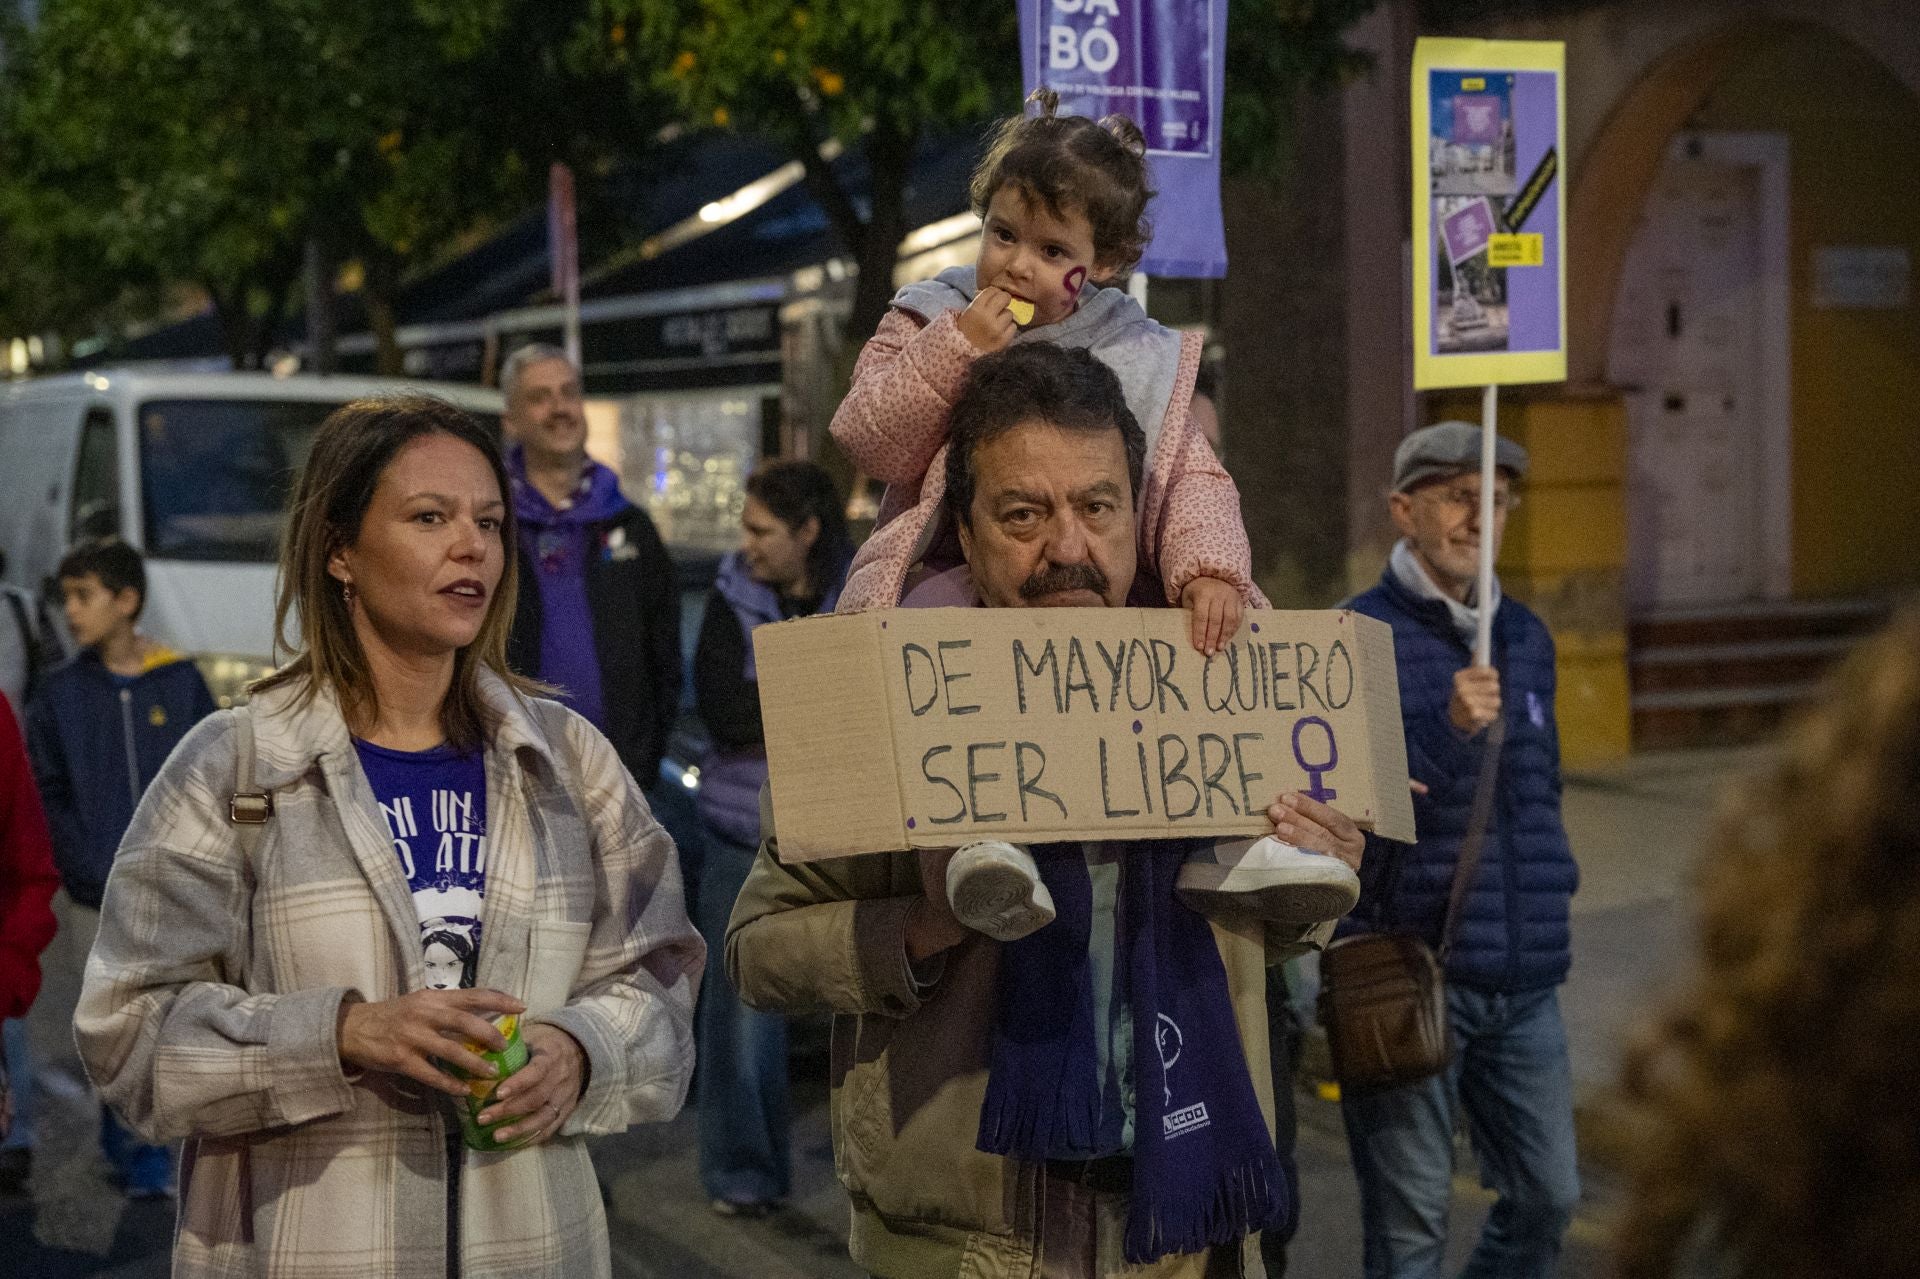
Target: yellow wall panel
[
  {"x": 1567, "y": 529},
  {"x": 1854, "y": 139},
  {"x": 1572, "y": 441},
  {"x": 1593, "y": 705}
]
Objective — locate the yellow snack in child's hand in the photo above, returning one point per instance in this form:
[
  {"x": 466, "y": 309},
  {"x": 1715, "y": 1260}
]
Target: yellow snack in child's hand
[{"x": 1021, "y": 310}]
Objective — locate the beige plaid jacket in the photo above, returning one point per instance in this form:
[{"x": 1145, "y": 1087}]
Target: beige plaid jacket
[{"x": 211, "y": 997}]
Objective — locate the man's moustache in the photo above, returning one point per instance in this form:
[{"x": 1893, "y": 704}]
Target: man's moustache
[{"x": 1058, "y": 579}]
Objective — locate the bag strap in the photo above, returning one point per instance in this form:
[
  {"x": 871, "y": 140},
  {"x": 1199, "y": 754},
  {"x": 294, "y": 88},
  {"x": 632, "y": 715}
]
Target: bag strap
[
  {"x": 1476, "y": 837},
  {"x": 248, "y": 805},
  {"x": 29, "y": 642}
]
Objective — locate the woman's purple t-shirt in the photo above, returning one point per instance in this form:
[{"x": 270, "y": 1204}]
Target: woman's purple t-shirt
[{"x": 435, "y": 803}]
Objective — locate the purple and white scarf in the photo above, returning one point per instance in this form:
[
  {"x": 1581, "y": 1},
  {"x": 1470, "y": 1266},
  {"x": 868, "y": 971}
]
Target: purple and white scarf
[{"x": 1205, "y": 1171}]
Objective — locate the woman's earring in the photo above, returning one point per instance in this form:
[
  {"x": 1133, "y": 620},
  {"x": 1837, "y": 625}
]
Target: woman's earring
[{"x": 346, "y": 594}]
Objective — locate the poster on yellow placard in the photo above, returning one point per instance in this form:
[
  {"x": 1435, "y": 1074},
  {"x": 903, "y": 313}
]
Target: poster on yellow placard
[{"x": 1489, "y": 212}]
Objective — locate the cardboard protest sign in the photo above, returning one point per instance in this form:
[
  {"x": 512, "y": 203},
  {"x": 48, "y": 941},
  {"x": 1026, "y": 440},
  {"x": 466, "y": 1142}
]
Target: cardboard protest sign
[
  {"x": 934, "y": 727},
  {"x": 1489, "y": 217}
]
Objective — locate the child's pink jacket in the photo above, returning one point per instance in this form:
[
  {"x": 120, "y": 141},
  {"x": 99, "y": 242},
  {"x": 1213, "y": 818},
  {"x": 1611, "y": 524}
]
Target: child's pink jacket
[{"x": 893, "y": 424}]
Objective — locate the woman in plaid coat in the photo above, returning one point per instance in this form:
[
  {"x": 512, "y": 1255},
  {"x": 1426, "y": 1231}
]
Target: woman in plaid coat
[{"x": 260, "y": 986}]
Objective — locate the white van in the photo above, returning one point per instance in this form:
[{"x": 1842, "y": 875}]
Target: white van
[{"x": 192, "y": 468}]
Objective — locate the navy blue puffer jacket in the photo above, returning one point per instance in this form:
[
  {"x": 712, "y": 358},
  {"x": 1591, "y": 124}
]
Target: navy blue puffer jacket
[{"x": 1513, "y": 928}]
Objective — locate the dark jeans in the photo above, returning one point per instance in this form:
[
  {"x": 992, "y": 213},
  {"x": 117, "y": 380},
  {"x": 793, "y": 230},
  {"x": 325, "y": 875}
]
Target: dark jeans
[
  {"x": 13, "y": 1045},
  {"x": 1511, "y": 1076},
  {"x": 145, "y": 1169},
  {"x": 744, "y": 1120}
]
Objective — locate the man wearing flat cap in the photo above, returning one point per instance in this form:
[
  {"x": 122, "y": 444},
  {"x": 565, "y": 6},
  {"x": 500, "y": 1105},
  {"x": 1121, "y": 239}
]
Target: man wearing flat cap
[{"x": 1509, "y": 1070}]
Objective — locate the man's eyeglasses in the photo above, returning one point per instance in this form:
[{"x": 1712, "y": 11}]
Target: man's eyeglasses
[{"x": 1467, "y": 500}]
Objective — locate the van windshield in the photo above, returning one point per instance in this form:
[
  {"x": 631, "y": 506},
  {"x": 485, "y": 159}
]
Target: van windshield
[{"x": 215, "y": 474}]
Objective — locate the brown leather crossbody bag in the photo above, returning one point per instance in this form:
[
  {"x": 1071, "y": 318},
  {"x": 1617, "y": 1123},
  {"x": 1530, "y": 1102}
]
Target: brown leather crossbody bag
[{"x": 1383, "y": 995}]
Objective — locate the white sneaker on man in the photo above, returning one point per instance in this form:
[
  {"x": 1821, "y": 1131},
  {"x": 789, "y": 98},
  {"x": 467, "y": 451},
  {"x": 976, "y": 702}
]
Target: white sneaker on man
[
  {"x": 994, "y": 888},
  {"x": 1268, "y": 880}
]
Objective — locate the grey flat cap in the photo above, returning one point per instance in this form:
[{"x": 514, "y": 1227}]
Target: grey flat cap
[{"x": 1448, "y": 448}]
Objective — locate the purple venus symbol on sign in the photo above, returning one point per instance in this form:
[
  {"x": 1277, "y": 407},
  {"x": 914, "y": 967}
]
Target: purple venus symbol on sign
[{"x": 1316, "y": 771}]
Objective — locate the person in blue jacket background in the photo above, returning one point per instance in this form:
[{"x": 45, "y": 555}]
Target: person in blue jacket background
[
  {"x": 1510, "y": 1071},
  {"x": 98, "y": 729}
]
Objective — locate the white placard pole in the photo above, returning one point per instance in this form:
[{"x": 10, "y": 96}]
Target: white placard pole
[{"x": 1489, "y": 419}]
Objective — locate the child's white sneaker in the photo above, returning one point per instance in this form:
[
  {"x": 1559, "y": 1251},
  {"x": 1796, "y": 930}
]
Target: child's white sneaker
[
  {"x": 1268, "y": 880},
  {"x": 994, "y": 888}
]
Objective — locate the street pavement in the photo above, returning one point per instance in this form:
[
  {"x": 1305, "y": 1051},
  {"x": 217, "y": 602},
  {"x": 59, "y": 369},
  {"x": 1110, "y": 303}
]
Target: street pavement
[{"x": 1636, "y": 828}]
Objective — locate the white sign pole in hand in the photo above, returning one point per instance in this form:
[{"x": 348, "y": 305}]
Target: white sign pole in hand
[{"x": 1489, "y": 420}]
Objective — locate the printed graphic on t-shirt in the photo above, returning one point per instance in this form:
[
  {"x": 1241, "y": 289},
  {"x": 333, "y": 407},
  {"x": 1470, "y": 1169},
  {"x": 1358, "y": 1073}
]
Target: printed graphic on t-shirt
[
  {"x": 435, "y": 806},
  {"x": 445, "y": 862}
]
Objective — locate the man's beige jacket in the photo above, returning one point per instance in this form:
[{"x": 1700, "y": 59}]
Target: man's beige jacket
[{"x": 909, "y": 1069}]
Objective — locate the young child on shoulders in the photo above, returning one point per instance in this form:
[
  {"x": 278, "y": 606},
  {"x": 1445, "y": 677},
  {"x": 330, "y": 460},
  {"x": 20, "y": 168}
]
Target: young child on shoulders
[{"x": 1063, "y": 202}]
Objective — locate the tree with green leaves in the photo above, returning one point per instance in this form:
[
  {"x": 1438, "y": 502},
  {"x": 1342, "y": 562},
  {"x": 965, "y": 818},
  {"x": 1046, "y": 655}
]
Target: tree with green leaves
[
  {"x": 206, "y": 142},
  {"x": 876, "y": 76},
  {"x": 140, "y": 151},
  {"x": 469, "y": 102}
]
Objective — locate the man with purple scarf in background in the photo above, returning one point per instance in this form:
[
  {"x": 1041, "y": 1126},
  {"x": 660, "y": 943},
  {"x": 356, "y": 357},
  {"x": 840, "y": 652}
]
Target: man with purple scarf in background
[
  {"x": 1095, "y": 1097},
  {"x": 599, "y": 608}
]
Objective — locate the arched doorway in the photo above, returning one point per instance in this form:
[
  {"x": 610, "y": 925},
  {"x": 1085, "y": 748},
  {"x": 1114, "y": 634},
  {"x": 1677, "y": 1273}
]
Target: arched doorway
[{"x": 1743, "y": 240}]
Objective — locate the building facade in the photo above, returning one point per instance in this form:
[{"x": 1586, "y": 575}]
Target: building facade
[{"x": 1722, "y": 490}]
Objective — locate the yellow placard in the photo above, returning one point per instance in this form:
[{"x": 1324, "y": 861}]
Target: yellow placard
[
  {"x": 1516, "y": 250},
  {"x": 1489, "y": 124}
]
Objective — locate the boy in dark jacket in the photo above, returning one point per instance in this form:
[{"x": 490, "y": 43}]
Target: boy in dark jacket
[
  {"x": 98, "y": 730},
  {"x": 1510, "y": 1072}
]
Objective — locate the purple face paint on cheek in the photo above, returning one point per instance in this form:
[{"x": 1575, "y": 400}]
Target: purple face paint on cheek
[{"x": 1075, "y": 278}]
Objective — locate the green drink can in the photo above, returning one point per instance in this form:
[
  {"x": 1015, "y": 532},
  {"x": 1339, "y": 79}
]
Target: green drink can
[{"x": 477, "y": 1135}]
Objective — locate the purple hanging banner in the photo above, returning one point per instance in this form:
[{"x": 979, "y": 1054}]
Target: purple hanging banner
[{"x": 1162, "y": 63}]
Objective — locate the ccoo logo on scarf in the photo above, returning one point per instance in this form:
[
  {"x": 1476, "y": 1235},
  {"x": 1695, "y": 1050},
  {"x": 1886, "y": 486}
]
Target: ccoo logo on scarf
[{"x": 1168, "y": 1039}]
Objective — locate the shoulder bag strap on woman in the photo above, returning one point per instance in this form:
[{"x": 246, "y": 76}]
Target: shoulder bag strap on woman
[
  {"x": 1476, "y": 836},
  {"x": 249, "y": 805}
]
